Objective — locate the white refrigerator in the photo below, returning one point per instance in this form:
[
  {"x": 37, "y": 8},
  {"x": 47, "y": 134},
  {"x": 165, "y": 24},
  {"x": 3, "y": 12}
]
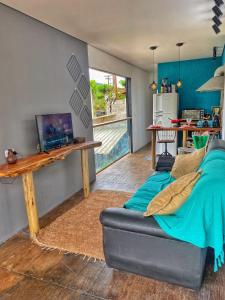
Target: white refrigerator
[{"x": 165, "y": 107}]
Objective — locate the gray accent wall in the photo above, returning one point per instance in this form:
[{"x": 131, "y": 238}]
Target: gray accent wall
[{"x": 34, "y": 80}]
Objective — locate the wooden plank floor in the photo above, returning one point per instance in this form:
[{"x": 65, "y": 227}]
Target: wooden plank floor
[{"x": 29, "y": 272}]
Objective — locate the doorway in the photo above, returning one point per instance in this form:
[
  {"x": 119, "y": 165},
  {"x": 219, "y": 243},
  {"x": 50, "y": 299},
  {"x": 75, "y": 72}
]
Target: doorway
[{"x": 111, "y": 113}]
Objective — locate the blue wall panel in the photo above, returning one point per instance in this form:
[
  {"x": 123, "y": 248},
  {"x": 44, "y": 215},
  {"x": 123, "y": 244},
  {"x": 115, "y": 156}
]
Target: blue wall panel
[
  {"x": 193, "y": 74},
  {"x": 223, "y": 56}
]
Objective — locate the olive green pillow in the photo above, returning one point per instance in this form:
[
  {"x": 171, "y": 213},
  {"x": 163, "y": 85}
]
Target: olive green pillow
[
  {"x": 187, "y": 163},
  {"x": 173, "y": 196}
]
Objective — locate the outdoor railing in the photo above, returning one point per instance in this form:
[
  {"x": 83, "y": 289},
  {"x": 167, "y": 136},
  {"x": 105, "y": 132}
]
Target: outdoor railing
[{"x": 115, "y": 139}]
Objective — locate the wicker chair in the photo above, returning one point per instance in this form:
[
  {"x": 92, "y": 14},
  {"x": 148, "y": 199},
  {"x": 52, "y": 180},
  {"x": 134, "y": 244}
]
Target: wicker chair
[{"x": 166, "y": 137}]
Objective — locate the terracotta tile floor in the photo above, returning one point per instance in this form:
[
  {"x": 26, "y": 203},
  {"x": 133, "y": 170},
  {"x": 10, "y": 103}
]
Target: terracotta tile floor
[{"x": 127, "y": 174}]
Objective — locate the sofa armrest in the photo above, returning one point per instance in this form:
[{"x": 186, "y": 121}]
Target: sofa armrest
[{"x": 133, "y": 221}]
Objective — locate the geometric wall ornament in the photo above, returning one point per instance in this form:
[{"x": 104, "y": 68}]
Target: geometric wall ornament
[
  {"x": 76, "y": 102},
  {"x": 83, "y": 86},
  {"x": 74, "y": 67},
  {"x": 85, "y": 116}
]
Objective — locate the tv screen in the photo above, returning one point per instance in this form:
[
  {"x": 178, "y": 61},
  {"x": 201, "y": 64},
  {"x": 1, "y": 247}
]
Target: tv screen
[{"x": 54, "y": 130}]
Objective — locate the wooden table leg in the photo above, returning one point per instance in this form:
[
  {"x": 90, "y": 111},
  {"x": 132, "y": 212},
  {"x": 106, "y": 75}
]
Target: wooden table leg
[
  {"x": 185, "y": 136},
  {"x": 153, "y": 149},
  {"x": 85, "y": 172},
  {"x": 30, "y": 202}
]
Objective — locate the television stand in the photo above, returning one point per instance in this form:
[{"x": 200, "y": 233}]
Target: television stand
[{"x": 27, "y": 165}]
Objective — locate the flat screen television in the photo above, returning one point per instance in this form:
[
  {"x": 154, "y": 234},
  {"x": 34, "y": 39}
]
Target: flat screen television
[{"x": 54, "y": 130}]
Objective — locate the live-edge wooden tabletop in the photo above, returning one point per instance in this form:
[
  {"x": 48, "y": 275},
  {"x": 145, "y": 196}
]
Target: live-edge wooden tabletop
[{"x": 34, "y": 162}]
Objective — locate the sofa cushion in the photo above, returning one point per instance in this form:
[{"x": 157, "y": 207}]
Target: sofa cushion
[
  {"x": 187, "y": 163},
  {"x": 173, "y": 196}
]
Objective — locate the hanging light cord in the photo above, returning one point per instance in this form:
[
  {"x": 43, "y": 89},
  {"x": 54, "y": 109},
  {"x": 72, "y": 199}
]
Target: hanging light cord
[
  {"x": 153, "y": 55},
  {"x": 179, "y": 62}
]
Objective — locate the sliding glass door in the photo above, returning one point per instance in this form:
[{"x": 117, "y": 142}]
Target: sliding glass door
[{"x": 111, "y": 112}]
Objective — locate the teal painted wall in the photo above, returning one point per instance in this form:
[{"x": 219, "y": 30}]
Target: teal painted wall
[{"x": 193, "y": 74}]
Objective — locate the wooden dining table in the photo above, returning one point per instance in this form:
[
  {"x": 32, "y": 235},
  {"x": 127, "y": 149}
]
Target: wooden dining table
[{"x": 183, "y": 129}]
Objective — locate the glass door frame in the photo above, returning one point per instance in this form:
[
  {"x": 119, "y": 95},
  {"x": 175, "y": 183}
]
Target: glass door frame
[{"x": 128, "y": 117}]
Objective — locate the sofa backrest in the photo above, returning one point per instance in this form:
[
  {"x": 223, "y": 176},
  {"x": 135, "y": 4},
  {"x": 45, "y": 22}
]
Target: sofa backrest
[{"x": 216, "y": 144}]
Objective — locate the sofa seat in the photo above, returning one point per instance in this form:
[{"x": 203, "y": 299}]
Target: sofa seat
[{"x": 138, "y": 245}]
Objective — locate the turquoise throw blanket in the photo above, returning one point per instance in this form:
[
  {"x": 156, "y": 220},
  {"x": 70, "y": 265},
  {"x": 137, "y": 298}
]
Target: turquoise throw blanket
[
  {"x": 201, "y": 219},
  {"x": 154, "y": 184}
]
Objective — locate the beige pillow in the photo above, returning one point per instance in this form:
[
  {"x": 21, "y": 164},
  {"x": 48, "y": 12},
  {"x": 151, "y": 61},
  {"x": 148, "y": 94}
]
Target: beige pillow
[
  {"x": 187, "y": 163},
  {"x": 173, "y": 196}
]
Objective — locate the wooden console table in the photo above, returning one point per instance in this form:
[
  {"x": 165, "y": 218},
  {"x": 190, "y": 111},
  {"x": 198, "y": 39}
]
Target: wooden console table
[
  {"x": 27, "y": 165},
  {"x": 184, "y": 131}
]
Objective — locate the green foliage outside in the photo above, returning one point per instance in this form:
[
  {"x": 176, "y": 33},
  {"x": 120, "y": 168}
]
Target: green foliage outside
[
  {"x": 123, "y": 83},
  {"x": 97, "y": 97},
  {"x": 105, "y": 93}
]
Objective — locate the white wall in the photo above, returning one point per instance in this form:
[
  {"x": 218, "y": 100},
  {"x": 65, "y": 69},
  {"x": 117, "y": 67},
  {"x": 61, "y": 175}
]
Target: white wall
[{"x": 140, "y": 93}]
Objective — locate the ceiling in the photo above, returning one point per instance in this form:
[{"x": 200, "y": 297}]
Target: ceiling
[{"x": 126, "y": 28}]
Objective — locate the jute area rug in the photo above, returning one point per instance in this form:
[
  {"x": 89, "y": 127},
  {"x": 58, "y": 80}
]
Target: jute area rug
[{"x": 79, "y": 230}]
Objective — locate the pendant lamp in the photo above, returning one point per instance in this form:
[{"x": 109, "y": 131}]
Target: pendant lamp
[
  {"x": 153, "y": 85},
  {"x": 179, "y": 82}
]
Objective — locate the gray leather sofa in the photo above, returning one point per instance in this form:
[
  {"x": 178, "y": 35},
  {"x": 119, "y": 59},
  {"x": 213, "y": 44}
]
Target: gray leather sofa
[{"x": 136, "y": 244}]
